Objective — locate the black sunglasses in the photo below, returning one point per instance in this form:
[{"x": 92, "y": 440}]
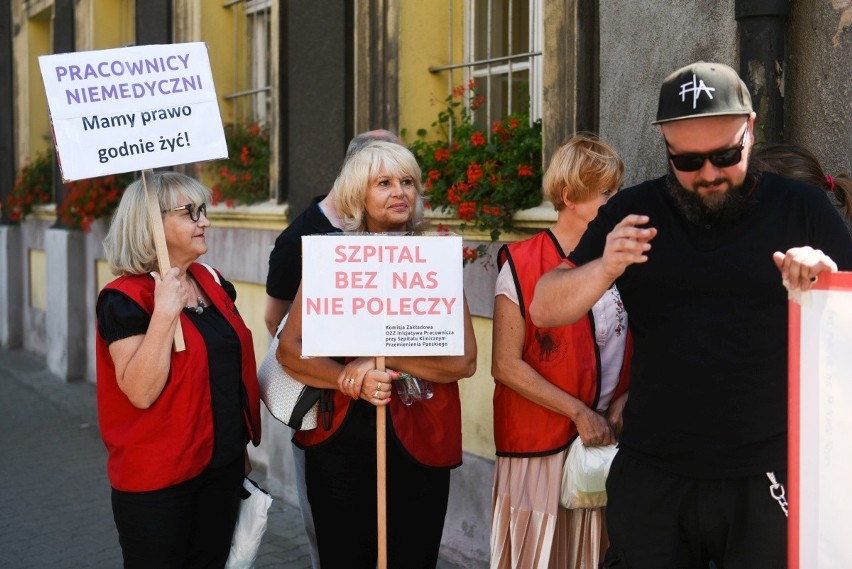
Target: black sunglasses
[
  {"x": 720, "y": 159},
  {"x": 194, "y": 214}
]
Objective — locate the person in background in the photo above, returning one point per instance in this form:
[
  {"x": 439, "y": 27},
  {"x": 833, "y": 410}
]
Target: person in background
[
  {"x": 379, "y": 190},
  {"x": 798, "y": 163},
  {"x": 175, "y": 424},
  {"x": 282, "y": 282},
  {"x": 704, "y": 258},
  {"x": 554, "y": 384}
]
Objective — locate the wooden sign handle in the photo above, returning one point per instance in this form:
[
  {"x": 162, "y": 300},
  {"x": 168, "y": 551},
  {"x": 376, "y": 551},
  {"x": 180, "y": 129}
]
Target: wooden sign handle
[
  {"x": 381, "y": 477},
  {"x": 154, "y": 214}
]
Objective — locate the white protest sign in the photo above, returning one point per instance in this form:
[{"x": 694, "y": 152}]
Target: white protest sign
[
  {"x": 133, "y": 108},
  {"x": 820, "y": 394},
  {"x": 382, "y": 295}
]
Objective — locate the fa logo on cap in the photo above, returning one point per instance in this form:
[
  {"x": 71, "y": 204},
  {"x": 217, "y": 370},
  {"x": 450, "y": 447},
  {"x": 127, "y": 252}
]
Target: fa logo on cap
[{"x": 696, "y": 91}]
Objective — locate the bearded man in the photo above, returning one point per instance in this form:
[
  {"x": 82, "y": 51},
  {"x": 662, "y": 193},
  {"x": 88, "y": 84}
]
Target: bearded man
[{"x": 701, "y": 258}]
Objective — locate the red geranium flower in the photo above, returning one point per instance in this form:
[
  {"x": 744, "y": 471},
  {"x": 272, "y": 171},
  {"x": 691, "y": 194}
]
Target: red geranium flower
[
  {"x": 474, "y": 173},
  {"x": 442, "y": 154}
]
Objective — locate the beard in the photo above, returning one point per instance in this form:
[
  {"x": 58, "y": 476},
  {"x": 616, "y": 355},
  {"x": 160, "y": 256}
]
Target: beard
[{"x": 714, "y": 208}]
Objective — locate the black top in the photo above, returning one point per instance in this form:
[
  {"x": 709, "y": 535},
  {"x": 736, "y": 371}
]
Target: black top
[
  {"x": 285, "y": 261},
  {"x": 708, "y": 311},
  {"x": 120, "y": 317}
]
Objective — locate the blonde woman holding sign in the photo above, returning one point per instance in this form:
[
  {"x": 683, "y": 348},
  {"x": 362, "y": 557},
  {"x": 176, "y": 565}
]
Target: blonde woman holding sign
[
  {"x": 379, "y": 190},
  {"x": 175, "y": 423}
]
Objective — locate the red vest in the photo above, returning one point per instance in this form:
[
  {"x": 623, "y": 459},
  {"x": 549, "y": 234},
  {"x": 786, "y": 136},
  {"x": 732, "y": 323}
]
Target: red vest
[
  {"x": 430, "y": 430},
  {"x": 566, "y": 356},
  {"x": 171, "y": 441}
]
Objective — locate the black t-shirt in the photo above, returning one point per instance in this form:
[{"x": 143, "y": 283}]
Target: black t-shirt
[
  {"x": 285, "y": 261},
  {"x": 120, "y": 317},
  {"x": 708, "y": 311}
]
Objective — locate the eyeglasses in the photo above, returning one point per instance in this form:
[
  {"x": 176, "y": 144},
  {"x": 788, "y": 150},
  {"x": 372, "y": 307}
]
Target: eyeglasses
[
  {"x": 194, "y": 214},
  {"x": 720, "y": 159}
]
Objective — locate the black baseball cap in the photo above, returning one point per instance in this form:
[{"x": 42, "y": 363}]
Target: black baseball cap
[{"x": 702, "y": 89}]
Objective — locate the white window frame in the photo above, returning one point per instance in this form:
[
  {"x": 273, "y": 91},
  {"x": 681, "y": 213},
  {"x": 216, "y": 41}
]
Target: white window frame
[{"x": 530, "y": 61}]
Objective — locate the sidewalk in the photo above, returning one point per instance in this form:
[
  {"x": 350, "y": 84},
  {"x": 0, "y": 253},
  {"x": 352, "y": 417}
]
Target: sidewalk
[{"x": 54, "y": 495}]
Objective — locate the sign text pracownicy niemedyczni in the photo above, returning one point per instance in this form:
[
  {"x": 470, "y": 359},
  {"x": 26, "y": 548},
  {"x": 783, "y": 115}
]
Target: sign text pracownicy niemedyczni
[{"x": 134, "y": 108}]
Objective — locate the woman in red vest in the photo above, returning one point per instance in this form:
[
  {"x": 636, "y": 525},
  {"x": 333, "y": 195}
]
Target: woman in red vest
[
  {"x": 175, "y": 424},
  {"x": 379, "y": 190},
  {"x": 554, "y": 384}
]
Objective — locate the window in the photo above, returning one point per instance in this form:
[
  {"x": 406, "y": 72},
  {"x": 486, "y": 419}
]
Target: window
[
  {"x": 503, "y": 49},
  {"x": 252, "y": 44},
  {"x": 502, "y": 53}
]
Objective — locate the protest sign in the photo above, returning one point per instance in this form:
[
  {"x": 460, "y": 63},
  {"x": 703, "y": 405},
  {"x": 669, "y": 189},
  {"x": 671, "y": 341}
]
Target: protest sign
[
  {"x": 820, "y": 423},
  {"x": 382, "y": 295},
  {"x": 134, "y": 108}
]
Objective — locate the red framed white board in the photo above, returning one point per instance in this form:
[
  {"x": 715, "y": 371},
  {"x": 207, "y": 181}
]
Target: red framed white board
[{"x": 820, "y": 425}]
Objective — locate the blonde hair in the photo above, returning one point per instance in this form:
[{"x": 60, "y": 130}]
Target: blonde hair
[
  {"x": 361, "y": 169},
  {"x": 129, "y": 243},
  {"x": 581, "y": 168}
]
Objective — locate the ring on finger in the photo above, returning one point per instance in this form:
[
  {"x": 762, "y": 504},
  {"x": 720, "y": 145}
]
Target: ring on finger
[
  {"x": 351, "y": 380},
  {"x": 376, "y": 394}
]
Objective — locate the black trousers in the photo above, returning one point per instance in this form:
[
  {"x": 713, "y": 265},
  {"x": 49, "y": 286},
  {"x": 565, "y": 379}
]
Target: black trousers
[
  {"x": 188, "y": 525},
  {"x": 658, "y": 520},
  {"x": 341, "y": 479}
]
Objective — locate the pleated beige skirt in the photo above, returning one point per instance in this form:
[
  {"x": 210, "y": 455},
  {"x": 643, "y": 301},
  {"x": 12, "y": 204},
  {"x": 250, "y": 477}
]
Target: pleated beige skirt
[{"x": 530, "y": 530}]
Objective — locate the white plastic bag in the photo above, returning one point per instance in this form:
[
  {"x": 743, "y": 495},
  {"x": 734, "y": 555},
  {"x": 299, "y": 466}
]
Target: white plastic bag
[
  {"x": 584, "y": 475},
  {"x": 251, "y": 525}
]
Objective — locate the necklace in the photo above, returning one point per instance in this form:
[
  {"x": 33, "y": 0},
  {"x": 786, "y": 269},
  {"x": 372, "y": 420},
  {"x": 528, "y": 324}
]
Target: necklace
[{"x": 199, "y": 302}]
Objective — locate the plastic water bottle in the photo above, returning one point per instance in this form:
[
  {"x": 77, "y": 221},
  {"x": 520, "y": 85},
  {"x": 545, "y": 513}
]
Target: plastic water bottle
[{"x": 411, "y": 389}]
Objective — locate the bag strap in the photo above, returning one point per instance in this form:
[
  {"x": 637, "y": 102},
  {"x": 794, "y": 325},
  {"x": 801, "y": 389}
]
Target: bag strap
[
  {"x": 281, "y": 326},
  {"x": 212, "y": 272}
]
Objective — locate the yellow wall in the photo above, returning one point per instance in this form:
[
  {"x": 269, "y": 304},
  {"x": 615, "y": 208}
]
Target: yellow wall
[
  {"x": 251, "y": 301},
  {"x": 476, "y": 394},
  {"x": 224, "y": 31},
  {"x": 120, "y": 30},
  {"x": 36, "y": 120},
  {"x": 423, "y": 43}
]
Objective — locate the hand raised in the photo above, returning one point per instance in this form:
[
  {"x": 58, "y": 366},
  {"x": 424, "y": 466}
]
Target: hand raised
[{"x": 627, "y": 244}]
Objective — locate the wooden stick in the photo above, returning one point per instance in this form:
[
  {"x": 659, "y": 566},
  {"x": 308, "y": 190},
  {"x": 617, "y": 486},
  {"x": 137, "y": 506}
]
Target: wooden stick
[
  {"x": 381, "y": 476},
  {"x": 155, "y": 215}
]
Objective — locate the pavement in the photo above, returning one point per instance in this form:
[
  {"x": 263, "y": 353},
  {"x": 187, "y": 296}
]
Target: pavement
[
  {"x": 55, "y": 510},
  {"x": 54, "y": 494}
]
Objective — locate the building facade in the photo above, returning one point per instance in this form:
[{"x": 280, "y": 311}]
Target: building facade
[{"x": 316, "y": 73}]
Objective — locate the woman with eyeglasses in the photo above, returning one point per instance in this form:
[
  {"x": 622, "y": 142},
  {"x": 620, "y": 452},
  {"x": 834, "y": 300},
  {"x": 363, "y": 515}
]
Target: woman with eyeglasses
[{"x": 175, "y": 424}]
